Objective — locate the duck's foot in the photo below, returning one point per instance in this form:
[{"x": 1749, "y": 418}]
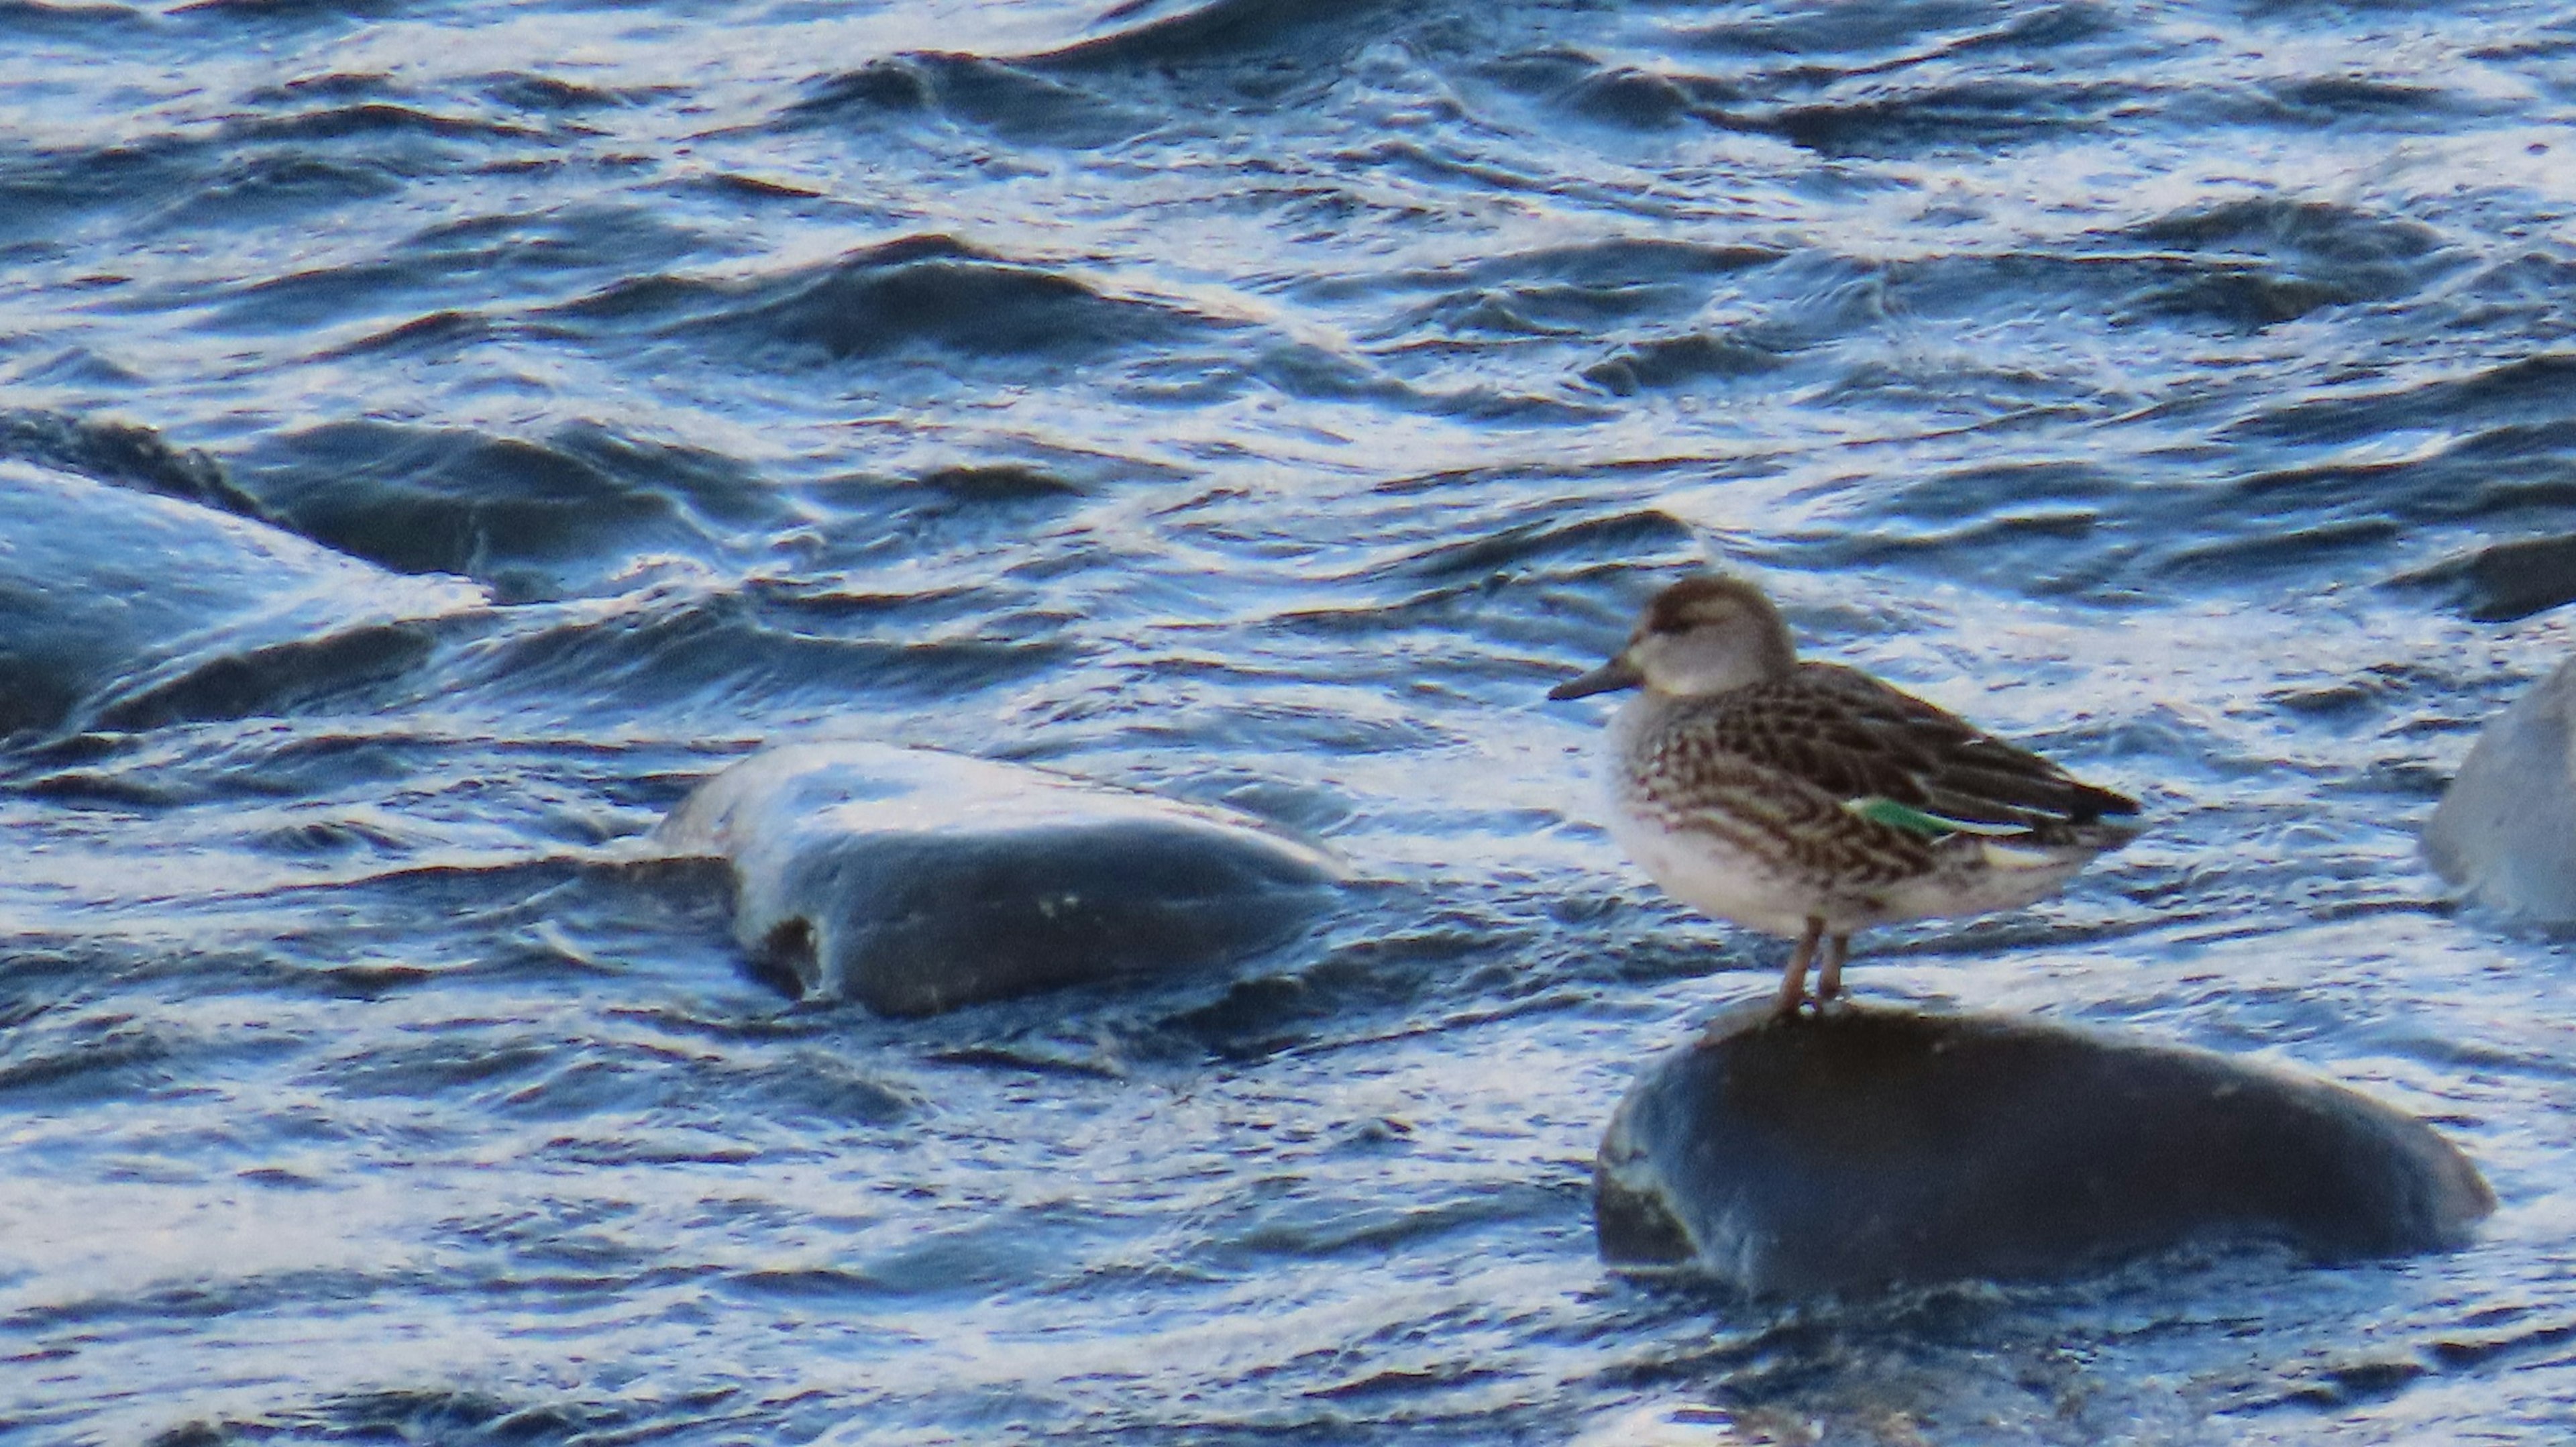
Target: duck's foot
[
  {"x": 1793, "y": 980},
  {"x": 1829, "y": 976}
]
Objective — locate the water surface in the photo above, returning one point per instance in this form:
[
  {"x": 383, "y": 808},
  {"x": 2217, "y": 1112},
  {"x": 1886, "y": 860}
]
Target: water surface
[{"x": 439, "y": 434}]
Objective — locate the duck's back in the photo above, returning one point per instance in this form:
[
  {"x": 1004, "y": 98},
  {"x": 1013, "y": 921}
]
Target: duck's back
[{"x": 1856, "y": 740}]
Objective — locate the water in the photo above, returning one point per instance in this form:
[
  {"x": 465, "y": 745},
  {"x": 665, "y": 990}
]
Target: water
[{"x": 1264, "y": 404}]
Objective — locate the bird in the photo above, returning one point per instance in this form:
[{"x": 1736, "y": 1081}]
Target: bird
[{"x": 1810, "y": 800}]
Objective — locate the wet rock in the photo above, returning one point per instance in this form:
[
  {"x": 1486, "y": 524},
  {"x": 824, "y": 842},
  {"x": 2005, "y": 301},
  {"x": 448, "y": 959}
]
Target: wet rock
[
  {"x": 1872, "y": 1147},
  {"x": 2506, "y": 830},
  {"x": 917, "y": 881},
  {"x": 122, "y": 608}
]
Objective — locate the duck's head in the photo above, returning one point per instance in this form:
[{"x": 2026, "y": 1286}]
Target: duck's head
[{"x": 1700, "y": 636}]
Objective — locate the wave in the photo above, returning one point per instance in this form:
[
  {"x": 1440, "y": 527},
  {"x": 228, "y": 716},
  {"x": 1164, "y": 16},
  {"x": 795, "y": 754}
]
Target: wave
[
  {"x": 929, "y": 292},
  {"x": 1156, "y": 32},
  {"x": 1004, "y": 100},
  {"x": 125, "y": 454},
  {"x": 127, "y": 608},
  {"x": 579, "y": 511},
  {"x": 731, "y": 656}
]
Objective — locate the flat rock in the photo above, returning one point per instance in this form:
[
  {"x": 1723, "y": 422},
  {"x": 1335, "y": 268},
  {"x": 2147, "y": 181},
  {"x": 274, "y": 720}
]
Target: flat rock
[
  {"x": 2505, "y": 832},
  {"x": 916, "y": 881},
  {"x": 1870, "y": 1147}
]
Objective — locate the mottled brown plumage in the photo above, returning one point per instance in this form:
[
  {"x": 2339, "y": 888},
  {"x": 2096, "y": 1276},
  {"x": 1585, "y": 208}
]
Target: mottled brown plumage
[
  {"x": 1809, "y": 799},
  {"x": 1854, "y": 737}
]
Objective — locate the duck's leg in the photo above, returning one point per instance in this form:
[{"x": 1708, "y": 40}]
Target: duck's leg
[
  {"x": 1793, "y": 980},
  {"x": 1829, "y": 976}
]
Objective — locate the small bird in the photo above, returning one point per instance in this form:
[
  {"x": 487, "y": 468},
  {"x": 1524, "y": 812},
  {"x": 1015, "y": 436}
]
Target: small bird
[{"x": 1808, "y": 800}]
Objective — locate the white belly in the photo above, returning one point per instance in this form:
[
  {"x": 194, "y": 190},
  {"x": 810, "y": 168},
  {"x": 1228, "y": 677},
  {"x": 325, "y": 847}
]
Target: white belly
[{"x": 1702, "y": 871}]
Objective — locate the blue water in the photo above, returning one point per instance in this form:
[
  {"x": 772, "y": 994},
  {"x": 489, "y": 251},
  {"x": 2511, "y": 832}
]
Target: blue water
[{"x": 509, "y": 415}]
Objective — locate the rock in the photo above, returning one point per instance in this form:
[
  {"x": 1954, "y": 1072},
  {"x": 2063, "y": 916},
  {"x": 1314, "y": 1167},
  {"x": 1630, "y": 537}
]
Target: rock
[
  {"x": 2505, "y": 832},
  {"x": 918, "y": 881},
  {"x": 1872, "y": 1147},
  {"x": 120, "y": 608}
]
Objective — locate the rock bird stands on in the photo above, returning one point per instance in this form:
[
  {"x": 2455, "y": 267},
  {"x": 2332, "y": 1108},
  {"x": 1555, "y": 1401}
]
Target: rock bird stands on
[{"x": 1809, "y": 800}]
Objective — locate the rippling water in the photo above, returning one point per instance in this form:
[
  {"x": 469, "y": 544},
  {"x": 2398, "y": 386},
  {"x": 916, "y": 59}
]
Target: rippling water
[{"x": 508, "y": 415}]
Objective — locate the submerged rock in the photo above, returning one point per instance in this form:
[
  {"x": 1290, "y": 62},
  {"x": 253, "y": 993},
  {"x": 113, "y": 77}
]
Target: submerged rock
[
  {"x": 917, "y": 881},
  {"x": 2506, "y": 830},
  {"x": 1870, "y": 1147}
]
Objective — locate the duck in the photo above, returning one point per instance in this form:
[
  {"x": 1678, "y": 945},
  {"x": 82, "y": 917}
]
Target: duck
[{"x": 1810, "y": 800}]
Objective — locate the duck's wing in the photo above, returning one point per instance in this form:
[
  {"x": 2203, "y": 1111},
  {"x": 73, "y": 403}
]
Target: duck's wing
[{"x": 1889, "y": 756}]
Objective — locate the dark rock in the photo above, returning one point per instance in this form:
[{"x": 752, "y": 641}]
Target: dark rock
[
  {"x": 2505, "y": 831},
  {"x": 1868, "y": 1148},
  {"x": 917, "y": 881}
]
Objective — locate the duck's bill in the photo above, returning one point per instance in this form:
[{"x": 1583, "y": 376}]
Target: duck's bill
[{"x": 1616, "y": 674}]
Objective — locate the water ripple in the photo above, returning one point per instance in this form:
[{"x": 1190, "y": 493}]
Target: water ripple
[{"x": 437, "y": 437}]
